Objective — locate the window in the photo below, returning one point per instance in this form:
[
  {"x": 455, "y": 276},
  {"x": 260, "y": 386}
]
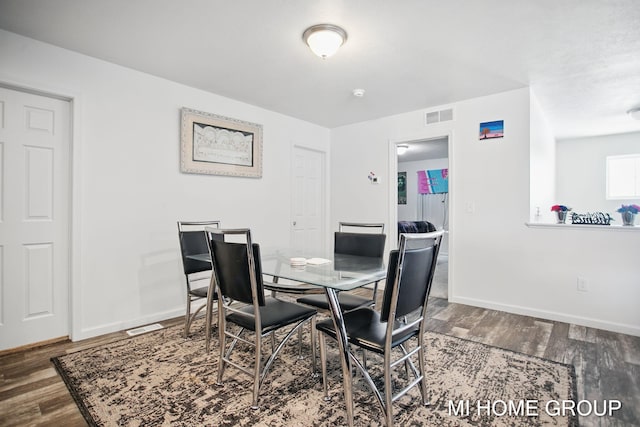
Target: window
[{"x": 623, "y": 177}]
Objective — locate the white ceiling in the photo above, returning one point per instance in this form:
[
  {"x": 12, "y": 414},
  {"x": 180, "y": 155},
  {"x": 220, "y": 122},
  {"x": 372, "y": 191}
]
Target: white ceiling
[
  {"x": 581, "y": 57},
  {"x": 435, "y": 148}
]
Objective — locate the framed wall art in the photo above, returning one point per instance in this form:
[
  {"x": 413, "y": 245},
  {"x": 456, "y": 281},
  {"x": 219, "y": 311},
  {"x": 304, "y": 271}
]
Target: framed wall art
[
  {"x": 435, "y": 181},
  {"x": 402, "y": 188},
  {"x": 217, "y": 145},
  {"x": 490, "y": 130}
]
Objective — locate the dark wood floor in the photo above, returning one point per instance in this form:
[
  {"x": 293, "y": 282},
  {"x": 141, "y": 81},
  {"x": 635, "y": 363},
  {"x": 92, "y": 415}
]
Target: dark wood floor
[{"x": 607, "y": 364}]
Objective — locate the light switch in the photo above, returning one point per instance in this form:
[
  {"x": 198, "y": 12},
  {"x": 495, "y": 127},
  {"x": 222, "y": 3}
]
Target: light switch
[{"x": 470, "y": 207}]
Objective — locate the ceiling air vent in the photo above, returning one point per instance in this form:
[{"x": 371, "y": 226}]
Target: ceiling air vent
[{"x": 439, "y": 116}]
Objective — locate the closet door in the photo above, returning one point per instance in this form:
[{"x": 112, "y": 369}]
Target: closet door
[{"x": 34, "y": 218}]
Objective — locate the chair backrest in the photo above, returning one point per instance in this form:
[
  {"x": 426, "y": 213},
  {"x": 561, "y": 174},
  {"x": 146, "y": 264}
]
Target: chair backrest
[
  {"x": 238, "y": 272},
  {"x": 415, "y": 227},
  {"x": 409, "y": 275},
  {"x": 362, "y": 227},
  {"x": 362, "y": 244},
  {"x": 193, "y": 241}
]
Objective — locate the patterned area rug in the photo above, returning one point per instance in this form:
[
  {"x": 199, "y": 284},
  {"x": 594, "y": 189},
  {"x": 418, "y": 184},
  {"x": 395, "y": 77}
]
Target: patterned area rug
[{"x": 162, "y": 379}]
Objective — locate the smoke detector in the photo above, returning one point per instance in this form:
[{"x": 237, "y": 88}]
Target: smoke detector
[{"x": 358, "y": 93}]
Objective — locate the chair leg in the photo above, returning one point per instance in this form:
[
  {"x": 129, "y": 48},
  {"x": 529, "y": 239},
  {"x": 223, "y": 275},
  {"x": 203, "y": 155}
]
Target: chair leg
[
  {"x": 375, "y": 294},
  {"x": 222, "y": 337},
  {"x": 209, "y": 318},
  {"x": 300, "y": 356},
  {"x": 388, "y": 390},
  {"x": 256, "y": 370},
  {"x": 312, "y": 324},
  {"x": 323, "y": 363},
  {"x": 422, "y": 364},
  {"x": 209, "y": 315},
  {"x": 187, "y": 317}
]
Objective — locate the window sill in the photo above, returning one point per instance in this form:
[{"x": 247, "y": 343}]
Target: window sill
[{"x": 584, "y": 226}]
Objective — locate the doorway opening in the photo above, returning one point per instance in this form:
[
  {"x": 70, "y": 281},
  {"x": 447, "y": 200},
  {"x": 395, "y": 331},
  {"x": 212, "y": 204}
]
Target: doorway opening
[{"x": 423, "y": 196}]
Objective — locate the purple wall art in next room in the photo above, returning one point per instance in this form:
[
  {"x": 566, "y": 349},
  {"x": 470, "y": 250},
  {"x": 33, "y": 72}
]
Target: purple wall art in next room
[{"x": 434, "y": 181}]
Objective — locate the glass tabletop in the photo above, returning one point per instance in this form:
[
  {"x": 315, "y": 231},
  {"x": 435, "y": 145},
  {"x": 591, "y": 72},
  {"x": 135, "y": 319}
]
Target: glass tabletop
[{"x": 342, "y": 272}]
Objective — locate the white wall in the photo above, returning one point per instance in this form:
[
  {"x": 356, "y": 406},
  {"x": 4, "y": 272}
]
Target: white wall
[
  {"x": 129, "y": 193},
  {"x": 581, "y": 171},
  {"x": 129, "y": 188},
  {"x": 495, "y": 260},
  {"x": 349, "y": 178},
  {"x": 543, "y": 166},
  {"x": 411, "y": 211}
]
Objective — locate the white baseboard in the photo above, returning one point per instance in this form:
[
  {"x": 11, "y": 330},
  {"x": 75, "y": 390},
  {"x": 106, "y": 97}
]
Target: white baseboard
[
  {"x": 551, "y": 315},
  {"x": 128, "y": 324}
]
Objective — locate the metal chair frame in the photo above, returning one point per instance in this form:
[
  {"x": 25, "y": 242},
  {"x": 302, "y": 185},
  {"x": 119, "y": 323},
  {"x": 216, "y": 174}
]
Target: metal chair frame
[
  {"x": 386, "y": 399},
  {"x": 365, "y": 225},
  {"x": 259, "y": 370},
  {"x": 185, "y": 226}
]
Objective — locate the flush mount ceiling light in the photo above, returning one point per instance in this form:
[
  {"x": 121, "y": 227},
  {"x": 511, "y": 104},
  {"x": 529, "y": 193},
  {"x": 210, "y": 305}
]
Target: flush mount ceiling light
[
  {"x": 634, "y": 113},
  {"x": 324, "y": 39},
  {"x": 402, "y": 148}
]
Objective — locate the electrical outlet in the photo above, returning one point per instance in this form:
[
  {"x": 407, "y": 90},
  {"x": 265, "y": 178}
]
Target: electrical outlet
[{"x": 583, "y": 284}]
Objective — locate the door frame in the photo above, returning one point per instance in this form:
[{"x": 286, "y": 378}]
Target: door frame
[
  {"x": 393, "y": 192},
  {"x": 74, "y": 312}
]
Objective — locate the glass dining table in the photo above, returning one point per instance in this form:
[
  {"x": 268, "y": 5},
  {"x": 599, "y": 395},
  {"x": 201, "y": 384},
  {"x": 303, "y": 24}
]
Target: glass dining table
[{"x": 341, "y": 273}]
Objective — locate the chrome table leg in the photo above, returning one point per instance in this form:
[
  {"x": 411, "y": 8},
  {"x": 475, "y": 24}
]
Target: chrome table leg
[{"x": 343, "y": 346}]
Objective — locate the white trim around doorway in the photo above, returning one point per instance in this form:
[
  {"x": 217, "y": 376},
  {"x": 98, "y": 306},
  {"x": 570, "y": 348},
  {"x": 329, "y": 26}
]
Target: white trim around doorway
[
  {"x": 393, "y": 192},
  {"x": 75, "y": 251}
]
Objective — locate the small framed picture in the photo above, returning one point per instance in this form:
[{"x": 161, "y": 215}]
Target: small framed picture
[
  {"x": 402, "y": 188},
  {"x": 490, "y": 130}
]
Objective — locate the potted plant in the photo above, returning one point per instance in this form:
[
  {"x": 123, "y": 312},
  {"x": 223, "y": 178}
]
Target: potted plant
[
  {"x": 628, "y": 213},
  {"x": 561, "y": 212}
]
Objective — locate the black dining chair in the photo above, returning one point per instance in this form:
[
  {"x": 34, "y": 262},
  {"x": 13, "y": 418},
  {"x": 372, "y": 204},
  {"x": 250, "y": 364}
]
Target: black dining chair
[
  {"x": 241, "y": 301},
  {"x": 193, "y": 241},
  {"x": 400, "y": 321},
  {"x": 361, "y": 227},
  {"x": 366, "y": 243}
]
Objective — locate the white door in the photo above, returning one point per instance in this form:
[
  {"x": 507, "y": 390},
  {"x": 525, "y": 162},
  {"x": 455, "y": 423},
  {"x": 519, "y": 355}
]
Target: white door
[
  {"x": 307, "y": 201},
  {"x": 34, "y": 218}
]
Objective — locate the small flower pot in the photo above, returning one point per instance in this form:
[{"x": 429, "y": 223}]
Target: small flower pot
[
  {"x": 628, "y": 218},
  {"x": 562, "y": 216}
]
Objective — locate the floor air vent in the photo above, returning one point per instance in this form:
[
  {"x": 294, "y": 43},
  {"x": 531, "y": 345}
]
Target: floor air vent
[
  {"x": 144, "y": 329},
  {"x": 438, "y": 116}
]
